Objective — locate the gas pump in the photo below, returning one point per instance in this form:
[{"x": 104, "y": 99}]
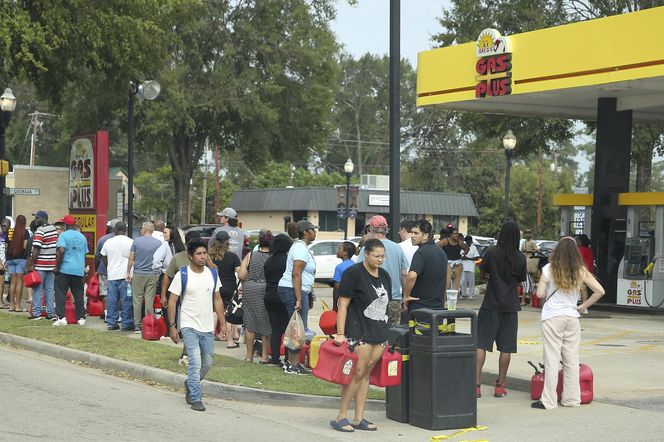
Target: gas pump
[{"x": 641, "y": 270}]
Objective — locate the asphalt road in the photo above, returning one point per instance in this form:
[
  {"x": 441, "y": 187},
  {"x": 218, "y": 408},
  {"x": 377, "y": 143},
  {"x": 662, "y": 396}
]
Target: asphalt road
[{"x": 50, "y": 399}]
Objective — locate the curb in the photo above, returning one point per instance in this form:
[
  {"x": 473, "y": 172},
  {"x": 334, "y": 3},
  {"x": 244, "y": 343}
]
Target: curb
[{"x": 165, "y": 377}]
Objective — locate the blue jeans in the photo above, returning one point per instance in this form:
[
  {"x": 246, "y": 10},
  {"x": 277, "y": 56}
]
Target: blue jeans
[
  {"x": 48, "y": 278},
  {"x": 117, "y": 298},
  {"x": 200, "y": 348},
  {"x": 287, "y": 296}
]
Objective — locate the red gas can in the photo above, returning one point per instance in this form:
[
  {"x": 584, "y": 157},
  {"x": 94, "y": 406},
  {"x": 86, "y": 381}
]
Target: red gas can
[
  {"x": 336, "y": 363},
  {"x": 156, "y": 305},
  {"x": 95, "y": 307},
  {"x": 535, "y": 301},
  {"x": 70, "y": 312},
  {"x": 32, "y": 279},
  {"x": 387, "y": 371},
  {"x": 92, "y": 291},
  {"x": 304, "y": 355},
  {"x": 161, "y": 324},
  {"x": 151, "y": 328},
  {"x": 585, "y": 381},
  {"x": 328, "y": 322},
  {"x": 536, "y": 383}
]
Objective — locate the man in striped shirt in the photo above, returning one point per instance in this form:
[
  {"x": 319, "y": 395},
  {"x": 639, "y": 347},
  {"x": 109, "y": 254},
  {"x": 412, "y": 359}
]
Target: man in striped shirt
[{"x": 42, "y": 260}]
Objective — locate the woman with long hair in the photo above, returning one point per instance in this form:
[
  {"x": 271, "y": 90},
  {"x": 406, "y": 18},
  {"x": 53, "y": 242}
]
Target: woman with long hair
[
  {"x": 256, "y": 320},
  {"x": 559, "y": 285},
  {"x": 274, "y": 268},
  {"x": 228, "y": 265},
  {"x": 17, "y": 254}
]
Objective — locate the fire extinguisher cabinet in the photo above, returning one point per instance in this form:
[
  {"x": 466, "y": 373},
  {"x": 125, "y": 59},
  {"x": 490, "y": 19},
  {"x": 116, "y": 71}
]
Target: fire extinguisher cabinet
[
  {"x": 442, "y": 369},
  {"x": 396, "y": 398}
]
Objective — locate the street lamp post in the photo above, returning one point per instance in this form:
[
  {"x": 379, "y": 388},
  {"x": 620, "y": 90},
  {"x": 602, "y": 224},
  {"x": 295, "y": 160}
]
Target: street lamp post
[
  {"x": 348, "y": 168},
  {"x": 7, "y": 106},
  {"x": 148, "y": 90},
  {"x": 509, "y": 141}
]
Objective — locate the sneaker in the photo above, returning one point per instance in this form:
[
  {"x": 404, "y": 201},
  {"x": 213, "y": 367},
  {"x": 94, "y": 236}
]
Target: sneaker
[
  {"x": 34, "y": 318},
  {"x": 81, "y": 322},
  {"x": 500, "y": 390},
  {"x": 60, "y": 322},
  {"x": 478, "y": 391},
  {"x": 292, "y": 369},
  {"x": 127, "y": 329},
  {"x": 303, "y": 369},
  {"x": 198, "y": 406},
  {"x": 276, "y": 363},
  {"x": 138, "y": 329},
  {"x": 51, "y": 318},
  {"x": 187, "y": 394},
  {"x": 113, "y": 327},
  {"x": 538, "y": 405}
]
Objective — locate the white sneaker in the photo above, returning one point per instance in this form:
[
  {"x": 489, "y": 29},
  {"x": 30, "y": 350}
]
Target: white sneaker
[
  {"x": 81, "y": 322},
  {"x": 60, "y": 322}
]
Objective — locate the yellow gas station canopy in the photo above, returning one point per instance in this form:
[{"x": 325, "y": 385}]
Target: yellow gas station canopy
[{"x": 559, "y": 71}]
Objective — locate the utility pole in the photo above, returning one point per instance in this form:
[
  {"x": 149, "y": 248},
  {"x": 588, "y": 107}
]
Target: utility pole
[
  {"x": 35, "y": 125},
  {"x": 205, "y": 178},
  {"x": 540, "y": 192},
  {"x": 216, "y": 183}
]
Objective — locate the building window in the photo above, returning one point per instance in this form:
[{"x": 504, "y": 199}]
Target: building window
[
  {"x": 330, "y": 222},
  {"x": 441, "y": 221}
]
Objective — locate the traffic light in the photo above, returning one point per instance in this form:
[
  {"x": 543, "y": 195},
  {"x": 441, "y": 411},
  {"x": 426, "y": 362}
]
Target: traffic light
[{"x": 4, "y": 167}]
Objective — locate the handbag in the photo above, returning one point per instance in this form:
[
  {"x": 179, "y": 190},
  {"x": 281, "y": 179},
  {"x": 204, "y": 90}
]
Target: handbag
[{"x": 234, "y": 311}]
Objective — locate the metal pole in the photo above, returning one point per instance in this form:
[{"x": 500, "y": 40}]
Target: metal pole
[
  {"x": 4, "y": 119},
  {"x": 508, "y": 164},
  {"x": 347, "y": 197},
  {"x": 130, "y": 164},
  {"x": 395, "y": 119}
]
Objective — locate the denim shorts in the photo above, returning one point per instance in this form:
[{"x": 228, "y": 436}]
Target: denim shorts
[{"x": 16, "y": 265}]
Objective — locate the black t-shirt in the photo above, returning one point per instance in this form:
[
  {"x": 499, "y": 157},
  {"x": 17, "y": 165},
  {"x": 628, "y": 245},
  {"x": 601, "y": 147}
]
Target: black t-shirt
[
  {"x": 501, "y": 290},
  {"x": 274, "y": 269},
  {"x": 430, "y": 264},
  {"x": 226, "y": 268},
  {"x": 367, "y": 311}
]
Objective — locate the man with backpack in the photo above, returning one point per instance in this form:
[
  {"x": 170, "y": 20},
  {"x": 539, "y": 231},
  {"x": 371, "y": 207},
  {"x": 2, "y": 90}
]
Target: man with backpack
[{"x": 194, "y": 293}]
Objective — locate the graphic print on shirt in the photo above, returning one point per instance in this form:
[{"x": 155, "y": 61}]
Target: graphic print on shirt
[{"x": 377, "y": 310}]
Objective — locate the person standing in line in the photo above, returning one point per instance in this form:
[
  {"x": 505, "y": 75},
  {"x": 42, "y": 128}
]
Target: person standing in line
[
  {"x": 199, "y": 300},
  {"x": 297, "y": 283},
  {"x": 529, "y": 248},
  {"x": 115, "y": 256},
  {"x": 69, "y": 271},
  {"x": 345, "y": 252},
  {"x": 468, "y": 264},
  {"x": 395, "y": 264},
  {"x": 237, "y": 236},
  {"x": 589, "y": 261},
  {"x": 453, "y": 245},
  {"x": 425, "y": 282},
  {"x": 159, "y": 230},
  {"x": 362, "y": 321},
  {"x": 100, "y": 266},
  {"x": 143, "y": 279},
  {"x": 4, "y": 244},
  {"x": 274, "y": 268},
  {"x": 560, "y": 285},
  {"x": 17, "y": 253},
  {"x": 42, "y": 259},
  {"x": 405, "y": 228},
  {"x": 498, "y": 320},
  {"x": 228, "y": 265}
]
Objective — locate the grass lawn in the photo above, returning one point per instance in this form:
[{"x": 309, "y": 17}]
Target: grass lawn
[{"x": 120, "y": 346}]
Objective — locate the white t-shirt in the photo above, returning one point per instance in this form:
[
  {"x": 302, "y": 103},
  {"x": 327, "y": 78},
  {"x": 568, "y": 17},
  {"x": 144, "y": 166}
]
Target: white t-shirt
[
  {"x": 559, "y": 303},
  {"x": 408, "y": 249},
  {"x": 116, "y": 249},
  {"x": 196, "y": 309},
  {"x": 469, "y": 266}
]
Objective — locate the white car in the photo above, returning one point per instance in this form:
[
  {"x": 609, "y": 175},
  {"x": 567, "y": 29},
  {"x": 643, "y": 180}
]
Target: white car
[{"x": 325, "y": 255}]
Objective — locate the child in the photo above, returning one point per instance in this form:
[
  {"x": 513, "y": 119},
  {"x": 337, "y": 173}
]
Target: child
[{"x": 345, "y": 252}]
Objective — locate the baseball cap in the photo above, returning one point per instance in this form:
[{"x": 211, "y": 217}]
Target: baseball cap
[
  {"x": 305, "y": 224},
  {"x": 40, "y": 214},
  {"x": 228, "y": 212},
  {"x": 112, "y": 222},
  {"x": 377, "y": 222},
  {"x": 222, "y": 236},
  {"x": 68, "y": 220}
]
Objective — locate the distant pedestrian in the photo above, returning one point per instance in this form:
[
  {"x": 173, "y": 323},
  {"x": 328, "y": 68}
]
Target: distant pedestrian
[
  {"x": 497, "y": 320},
  {"x": 144, "y": 278},
  {"x": 228, "y": 219},
  {"x": 405, "y": 228},
  {"x": 468, "y": 259},
  {"x": 345, "y": 252},
  {"x": 560, "y": 285},
  {"x": 425, "y": 282},
  {"x": 395, "y": 264},
  {"x": 42, "y": 260},
  {"x": 115, "y": 255},
  {"x": 69, "y": 271},
  {"x": 199, "y": 300},
  {"x": 453, "y": 245}
]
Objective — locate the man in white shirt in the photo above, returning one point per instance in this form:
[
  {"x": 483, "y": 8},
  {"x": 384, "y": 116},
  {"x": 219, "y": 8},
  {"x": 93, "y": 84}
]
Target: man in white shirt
[
  {"x": 115, "y": 253},
  {"x": 406, "y": 243},
  {"x": 468, "y": 265},
  {"x": 159, "y": 228},
  {"x": 196, "y": 320}
]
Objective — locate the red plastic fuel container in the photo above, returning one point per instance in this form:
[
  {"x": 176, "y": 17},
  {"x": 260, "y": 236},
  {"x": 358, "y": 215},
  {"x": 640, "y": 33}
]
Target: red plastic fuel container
[
  {"x": 92, "y": 291},
  {"x": 95, "y": 307},
  {"x": 336, "y": 363},
  {"x": 32, "y": 279},
  {"x": 535, "y": 301},
  {"x": 151, "y": 329},
  {"x": 585, "y": 381},
  {"x": 387, "y": 371},
  {"x": 70, "y": 312},
  {"x": 536, "y": 386}
]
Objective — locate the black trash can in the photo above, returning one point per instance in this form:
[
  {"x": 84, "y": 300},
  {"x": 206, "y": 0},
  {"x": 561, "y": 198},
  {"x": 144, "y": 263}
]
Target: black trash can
[
  {"x": 396, "y": 398},
  {"x": 442, "y": 370}
]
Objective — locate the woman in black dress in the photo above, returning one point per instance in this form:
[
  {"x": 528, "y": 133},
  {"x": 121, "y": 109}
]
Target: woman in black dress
[
  {"x": 274, "y": 269},
  {"x": 228, "y": 264}
]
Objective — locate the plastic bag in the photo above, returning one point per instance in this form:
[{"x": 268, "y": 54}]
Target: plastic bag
[{"x": 294, "y": 337}]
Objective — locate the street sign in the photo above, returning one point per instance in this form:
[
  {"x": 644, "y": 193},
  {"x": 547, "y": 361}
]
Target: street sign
[{"x": 21, "y": 191}]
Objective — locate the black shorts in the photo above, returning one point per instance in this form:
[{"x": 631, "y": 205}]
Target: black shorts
[{"x": 498, "y": 327}]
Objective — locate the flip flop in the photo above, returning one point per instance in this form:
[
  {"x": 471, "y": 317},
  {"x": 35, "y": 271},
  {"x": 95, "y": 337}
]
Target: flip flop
[
  {"x": 5, "y": 307},
  {"x": 234, "y": 345},
  {"x": 364, "y": 425},
  {"x": 339, "y": 426}
]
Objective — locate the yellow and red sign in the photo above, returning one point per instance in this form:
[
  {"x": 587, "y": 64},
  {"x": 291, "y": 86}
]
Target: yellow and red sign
[
  {"x": 88, "y": 225},
  {"x": 494, "y": 65}
]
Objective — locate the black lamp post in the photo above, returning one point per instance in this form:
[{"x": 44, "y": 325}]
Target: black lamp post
[
  {"x": 348, "y": 168},
  {"x": 7, "y": 106},
  {"x": 148, "y": 90},
  {"x": 509, "y": 141}
]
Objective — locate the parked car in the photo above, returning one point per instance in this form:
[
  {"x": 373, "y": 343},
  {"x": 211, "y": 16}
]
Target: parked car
[
  {"x": 546, "y": 246},
  {"x": 325, "y": 255},
  {"x": 204, "y": 229},
  {"x": 482, "y": 243}
]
